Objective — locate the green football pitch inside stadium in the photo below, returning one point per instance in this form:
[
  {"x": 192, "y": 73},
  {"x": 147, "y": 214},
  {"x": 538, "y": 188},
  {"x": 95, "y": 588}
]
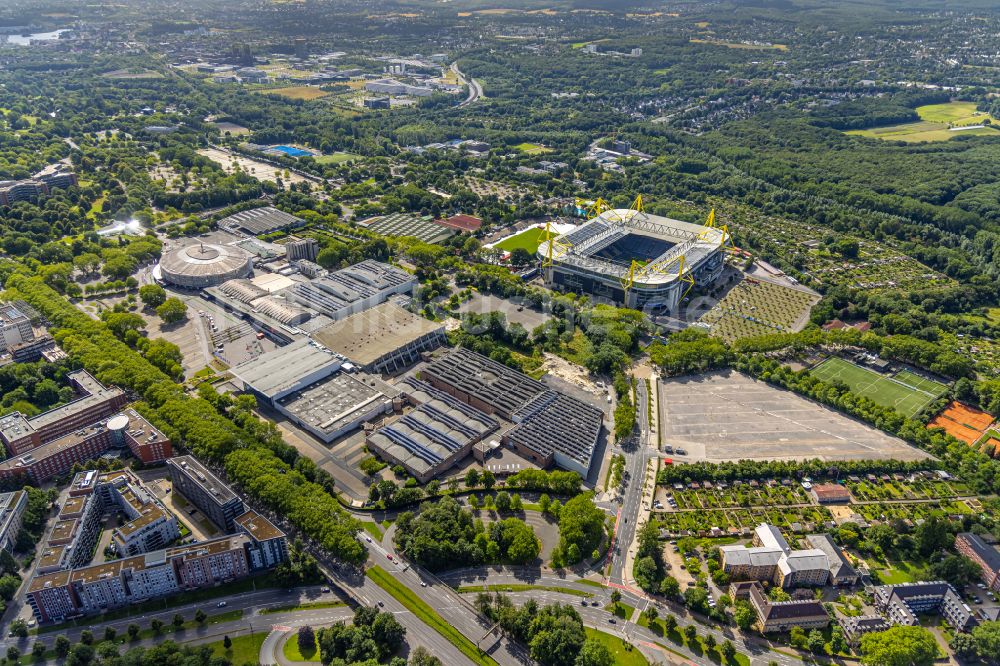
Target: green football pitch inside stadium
[{"x": 906, "y": 392}]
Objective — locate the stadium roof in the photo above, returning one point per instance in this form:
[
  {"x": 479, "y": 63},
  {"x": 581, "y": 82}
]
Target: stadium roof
[{"x": 694, "y": 241}]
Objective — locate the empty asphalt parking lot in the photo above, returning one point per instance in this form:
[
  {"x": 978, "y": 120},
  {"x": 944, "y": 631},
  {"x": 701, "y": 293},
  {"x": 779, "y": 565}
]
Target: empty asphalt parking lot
[{"x": 729, "y": 416}]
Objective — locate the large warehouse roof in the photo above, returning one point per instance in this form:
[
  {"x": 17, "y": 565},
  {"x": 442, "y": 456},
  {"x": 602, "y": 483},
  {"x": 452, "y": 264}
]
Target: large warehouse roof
[
  {"x": 558, "y": 425},
  {"x": 439, "y": 427},
  {"x": 276, "y": 372},
  {"x": 503, "y": 388},
  {"x": 340, "y": 290},
  {"x": 367, "y": 336},
  {"x": 259, "y": 221},
  {"x": 549, "y": 423}
]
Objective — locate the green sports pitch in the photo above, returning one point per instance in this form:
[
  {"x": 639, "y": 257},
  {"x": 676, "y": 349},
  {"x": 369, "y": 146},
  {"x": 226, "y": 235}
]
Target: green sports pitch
[{"x": 906, "y": 392}]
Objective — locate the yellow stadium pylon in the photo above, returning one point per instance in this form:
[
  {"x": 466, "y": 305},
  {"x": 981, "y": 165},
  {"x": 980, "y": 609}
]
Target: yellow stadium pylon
[{"x": 637, "y": 204}]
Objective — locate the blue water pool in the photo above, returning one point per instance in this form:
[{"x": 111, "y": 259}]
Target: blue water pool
[{"x": 291, "y": 150}]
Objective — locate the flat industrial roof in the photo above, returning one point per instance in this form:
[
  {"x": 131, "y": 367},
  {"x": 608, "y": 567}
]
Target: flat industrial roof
[
  {"x": 281, "y": 370},
  {"x": 367, "y": 336},
  {"x": 503, "y": 388},
  {"x": 337, "y": 400}
]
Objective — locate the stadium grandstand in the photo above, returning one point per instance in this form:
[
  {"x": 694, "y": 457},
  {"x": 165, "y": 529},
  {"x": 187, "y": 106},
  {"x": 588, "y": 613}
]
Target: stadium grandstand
[{"x": 633, "y": 258}]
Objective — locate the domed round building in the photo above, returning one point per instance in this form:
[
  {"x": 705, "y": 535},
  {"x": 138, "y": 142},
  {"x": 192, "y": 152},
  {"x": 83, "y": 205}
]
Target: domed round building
[{"x": 204, "y": 265}]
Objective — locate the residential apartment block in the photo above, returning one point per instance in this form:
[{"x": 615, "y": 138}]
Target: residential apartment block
[
  {"x": 900, "y": 604},
  {"x": 12, "y": 506},
  {"x": 783, "y": 615},
  {"x": 100, "y": 587},
  {"x": 986, "y": 557},
  {"x": 770, "y": 558},
  {"x": 206, "y": 491}
]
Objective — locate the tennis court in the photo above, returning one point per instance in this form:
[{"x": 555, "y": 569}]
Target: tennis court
[{"x": 907, "y": 393}]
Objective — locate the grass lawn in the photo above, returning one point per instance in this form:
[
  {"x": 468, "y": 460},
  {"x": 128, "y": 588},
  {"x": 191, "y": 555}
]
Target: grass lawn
[
  {"x": 297, "y": 92},
  {"x": 292, "y": 653},
  {"x": 336, "y": 158},
  {"x": 906, "y": 393},
  {"x": 244, "y": 650},
  {"x": 624, "y": 654},
  {"x": 299, "y": 607},
  {"x": 532, "y": 148},
  {"x": 620, "y": 610},
  {"x": 372, "y": 529},
  {"x": 900, "y": 572},
  {"x": 933, "y": 124},
  {"x": 428, "y": 615},
  {"x": 592, "y": 583},
  {"x": 529, "y": 240},
  {"x": 522, "y": 588},
  {"x": 97, "y": 206}
]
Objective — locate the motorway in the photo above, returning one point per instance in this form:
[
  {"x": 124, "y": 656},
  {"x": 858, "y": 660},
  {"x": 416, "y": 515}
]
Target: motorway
[{"x": 475, "y": 88}]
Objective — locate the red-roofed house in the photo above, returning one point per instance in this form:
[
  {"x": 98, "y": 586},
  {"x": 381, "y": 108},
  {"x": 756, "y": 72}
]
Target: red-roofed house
[{"x": 462, "y": 222}]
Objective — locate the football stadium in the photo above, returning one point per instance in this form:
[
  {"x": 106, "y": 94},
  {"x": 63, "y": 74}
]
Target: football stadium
[{"x": 633, "y": 258}]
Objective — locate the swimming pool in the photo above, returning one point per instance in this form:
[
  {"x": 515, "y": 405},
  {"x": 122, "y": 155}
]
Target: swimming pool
[{"x": 290, "y": 150}]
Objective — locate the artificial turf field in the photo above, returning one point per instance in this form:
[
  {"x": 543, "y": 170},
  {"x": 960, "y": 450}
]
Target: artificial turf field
[{"x": 906, "y": 392}]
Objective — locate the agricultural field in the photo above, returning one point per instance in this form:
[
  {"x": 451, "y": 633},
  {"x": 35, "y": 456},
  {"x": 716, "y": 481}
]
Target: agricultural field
[
  {"x": 938, "y": 122},
  {"x": 756, "y": 307},
  {"x": 906, "y": 392},
  {"x": 739, "y": 496},
  {"x": 740, "y": 520},
  {"x": 306, "y": 93},
  {"x": 529, "y": 240}
]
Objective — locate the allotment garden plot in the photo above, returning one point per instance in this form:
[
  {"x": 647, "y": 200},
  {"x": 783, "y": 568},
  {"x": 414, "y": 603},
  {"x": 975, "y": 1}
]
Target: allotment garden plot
[
  {"x": 906, "y": 392},
  {"x": 729, "y": 416},
  {"x": 757, "y": 307}
]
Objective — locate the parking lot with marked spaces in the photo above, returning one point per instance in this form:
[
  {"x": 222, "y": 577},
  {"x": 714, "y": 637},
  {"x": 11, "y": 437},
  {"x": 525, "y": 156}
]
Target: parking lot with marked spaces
[
  {"x": 906, "y": 392},
  {"x": 729, "y": 416}
]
